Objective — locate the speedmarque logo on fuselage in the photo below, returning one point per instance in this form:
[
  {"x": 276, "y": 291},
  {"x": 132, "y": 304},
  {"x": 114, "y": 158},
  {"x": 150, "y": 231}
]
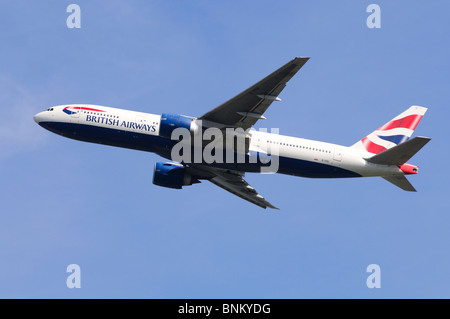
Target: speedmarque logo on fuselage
[{"x": 68, "y": 109}]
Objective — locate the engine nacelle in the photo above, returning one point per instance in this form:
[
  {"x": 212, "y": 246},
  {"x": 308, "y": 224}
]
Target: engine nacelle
[
  {"x": 172, "y": 175},
  {"x": 170, "y": 122}
]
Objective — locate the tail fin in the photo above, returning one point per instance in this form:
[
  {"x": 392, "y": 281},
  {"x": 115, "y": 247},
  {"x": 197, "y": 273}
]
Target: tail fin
[{"x": 394, "y": 132}]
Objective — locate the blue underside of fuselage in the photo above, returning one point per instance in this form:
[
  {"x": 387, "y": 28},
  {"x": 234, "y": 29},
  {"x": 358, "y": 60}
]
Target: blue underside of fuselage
[{"x": 163, "y": 147}]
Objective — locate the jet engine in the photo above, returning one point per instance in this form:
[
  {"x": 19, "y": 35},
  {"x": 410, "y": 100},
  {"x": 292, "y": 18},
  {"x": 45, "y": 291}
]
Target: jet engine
[
  {"x": 170, "y": 122},
  {"x": 172, "y": 175}
]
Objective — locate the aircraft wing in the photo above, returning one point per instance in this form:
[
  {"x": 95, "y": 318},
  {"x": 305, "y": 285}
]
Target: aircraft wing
[
  {"x": 231, "y": 181},
  {"x": 245, "y": 109}
]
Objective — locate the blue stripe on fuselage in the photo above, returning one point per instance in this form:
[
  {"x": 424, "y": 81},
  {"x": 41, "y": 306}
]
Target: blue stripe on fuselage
[
  {"x": 163, "y": 147},
  {"x": 108, "y": 136},
  {"x": 298, "y": 167}
]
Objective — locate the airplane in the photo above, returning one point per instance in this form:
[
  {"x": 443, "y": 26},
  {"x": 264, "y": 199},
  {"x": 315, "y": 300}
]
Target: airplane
[{"x": 383, "y": 153}]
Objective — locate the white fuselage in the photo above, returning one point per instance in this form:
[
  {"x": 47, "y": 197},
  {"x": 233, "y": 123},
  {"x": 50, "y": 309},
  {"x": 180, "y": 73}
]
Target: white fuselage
[{"x": 141, "y": 131}]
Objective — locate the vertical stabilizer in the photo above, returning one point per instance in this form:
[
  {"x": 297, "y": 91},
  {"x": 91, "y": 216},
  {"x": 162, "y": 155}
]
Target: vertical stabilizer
[{"x": 394, "y": 132}]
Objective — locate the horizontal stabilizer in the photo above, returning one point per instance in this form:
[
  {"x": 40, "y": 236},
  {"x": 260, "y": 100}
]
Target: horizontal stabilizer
[
  {"x": 401, "y": 153},
  {"x": 400, "y": 181}
]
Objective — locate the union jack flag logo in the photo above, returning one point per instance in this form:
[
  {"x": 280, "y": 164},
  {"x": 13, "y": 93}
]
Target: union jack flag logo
[{"x": 394, "y": 132}]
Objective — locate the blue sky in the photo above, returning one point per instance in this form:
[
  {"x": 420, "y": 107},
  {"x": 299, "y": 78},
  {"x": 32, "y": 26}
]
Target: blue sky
[{"x": 66, "y": 202}]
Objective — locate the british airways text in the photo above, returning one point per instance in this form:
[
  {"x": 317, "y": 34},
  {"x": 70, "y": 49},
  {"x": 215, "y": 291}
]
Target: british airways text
[{"x": 118, "y": 123}]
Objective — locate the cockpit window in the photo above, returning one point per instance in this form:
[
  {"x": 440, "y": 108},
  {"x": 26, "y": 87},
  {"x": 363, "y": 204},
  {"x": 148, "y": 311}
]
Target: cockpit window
[{"x": 50, "y": 109}]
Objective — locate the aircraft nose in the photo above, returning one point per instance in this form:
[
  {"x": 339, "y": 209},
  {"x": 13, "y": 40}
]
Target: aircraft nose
[{"x": 38, "y": 117}]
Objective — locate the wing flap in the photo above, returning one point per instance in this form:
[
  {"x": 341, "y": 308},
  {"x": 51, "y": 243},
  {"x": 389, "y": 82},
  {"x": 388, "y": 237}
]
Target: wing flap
[
  {"x": 241, "y": 188},
  {"x": 231, "y": 181}
]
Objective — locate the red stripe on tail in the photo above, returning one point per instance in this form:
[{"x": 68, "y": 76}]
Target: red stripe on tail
[
  {"x": 371, "y": 147},
  {"x": 409, "y": 122}
]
